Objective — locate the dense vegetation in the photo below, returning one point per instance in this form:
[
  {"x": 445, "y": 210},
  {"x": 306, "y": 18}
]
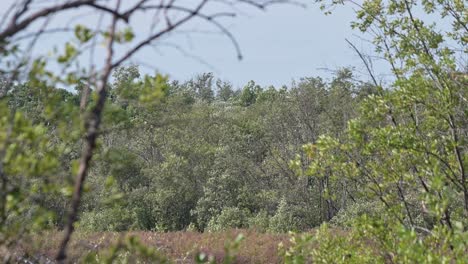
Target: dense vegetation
[
  {"x": 386, "y": 163},
  {"x": 205, "y": 156}
]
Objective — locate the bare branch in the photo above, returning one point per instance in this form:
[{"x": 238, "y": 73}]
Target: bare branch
[
  {"x": 366, "y": 63},
  {"x": 23, "y": 10},
  {"x": 44, "y": 31},
  {"x": 168, "y": 29},
  {"x": 124, "y": 17},
  {"x": 15, "y": 28},
  {"x": 92, "y": 126}
]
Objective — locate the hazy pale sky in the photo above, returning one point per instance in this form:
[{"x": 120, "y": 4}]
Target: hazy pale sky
[{"x": 278, "y": 45}]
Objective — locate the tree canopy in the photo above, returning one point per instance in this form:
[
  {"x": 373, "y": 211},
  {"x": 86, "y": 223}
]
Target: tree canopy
[{"x": 119, "y": 150}]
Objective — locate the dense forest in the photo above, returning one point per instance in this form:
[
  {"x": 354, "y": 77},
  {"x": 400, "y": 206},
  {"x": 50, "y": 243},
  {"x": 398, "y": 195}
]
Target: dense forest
[
  {"x": 356, "y": 168},
  {"x": 205, "y": 156}
]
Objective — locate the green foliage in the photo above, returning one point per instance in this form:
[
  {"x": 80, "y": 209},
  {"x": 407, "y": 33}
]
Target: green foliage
[
  {"x": 152, "y": 89},
  {"x": 30, "y": 174},
  {"x": 259, "y": 222},
  {"x": 115, "y": 218},
  {"x": 405, "y": 150},
  {"x": 69, "y": 53},
  {"x": 326, "y": 247},
  {"x": 202, "y": 87},
  {"x": 83, "y": 33},
  {"x": 347, "y": 217},
  {"x": 231, "y": 248},
  {"x": 249, "y": 94},
  {"x": 284, "y": 219},
  {"x": 400, "y": 244},
  {"x": 230, "y": 217},
  {"x": 168, "y": 156},
  {"x": 386, "y": 164},
  {"x": 224, "y": 91},
  {"x": 191, "y": 158}
]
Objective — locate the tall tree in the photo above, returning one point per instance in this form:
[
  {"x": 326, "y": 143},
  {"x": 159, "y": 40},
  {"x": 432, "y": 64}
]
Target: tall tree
[
  {"x": 407, "y": 149},
  {"x": 26, "y": 22}
]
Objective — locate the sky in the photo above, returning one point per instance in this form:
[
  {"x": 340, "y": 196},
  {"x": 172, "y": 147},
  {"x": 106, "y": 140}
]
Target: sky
[{"x": 279, "y": 45}]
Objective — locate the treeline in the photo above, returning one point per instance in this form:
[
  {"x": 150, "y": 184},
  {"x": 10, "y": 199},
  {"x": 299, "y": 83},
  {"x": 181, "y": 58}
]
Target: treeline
[
  {"x": 202, "y": 155},
  {"x": 386, "y": 162}
]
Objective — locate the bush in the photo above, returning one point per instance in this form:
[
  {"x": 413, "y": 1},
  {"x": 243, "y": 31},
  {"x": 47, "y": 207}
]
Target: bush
[
  {"x": 326, "y": 246},
  {"x": 108, "y": 219},
  {"x": 290, "y": 218},
  {"x": 259, "y": 222},
  {"x": 346, "y": 217},
  {"x": 230, "y": 217}
]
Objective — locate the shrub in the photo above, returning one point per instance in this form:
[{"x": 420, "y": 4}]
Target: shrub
[
  {"x": 290, "y": 218},
  {"x": 326, "y": 246},
  {"x": 259, "y": 222},
  {"x": 230, "y": 217},
  {"x": 346, "y": 217},
  {"x": 108, "y": 219}
]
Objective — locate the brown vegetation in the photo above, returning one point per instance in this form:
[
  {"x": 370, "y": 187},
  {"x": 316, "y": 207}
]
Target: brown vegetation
[{"x": 181, "y": 247}]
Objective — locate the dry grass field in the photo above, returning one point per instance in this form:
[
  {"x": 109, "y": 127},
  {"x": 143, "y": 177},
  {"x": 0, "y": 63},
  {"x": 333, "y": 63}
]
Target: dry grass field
[{"x": 180, "y": 247}]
